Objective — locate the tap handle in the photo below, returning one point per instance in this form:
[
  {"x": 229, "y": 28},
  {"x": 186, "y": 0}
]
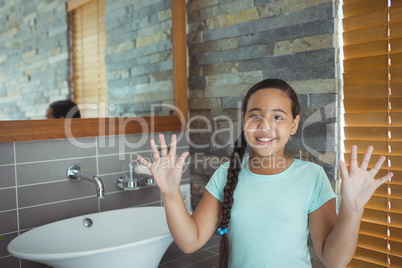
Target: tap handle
[{"x": 125, "y": 183}]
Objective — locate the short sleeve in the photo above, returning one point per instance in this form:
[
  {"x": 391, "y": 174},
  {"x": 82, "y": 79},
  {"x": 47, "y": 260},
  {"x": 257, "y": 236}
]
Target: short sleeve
[
  {"x": 322, "y": 192},
  {"x": 217, "y": 182}
]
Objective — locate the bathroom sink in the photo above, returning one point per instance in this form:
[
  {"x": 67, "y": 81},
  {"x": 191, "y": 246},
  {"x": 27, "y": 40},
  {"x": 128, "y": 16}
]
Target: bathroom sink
[{"x": 132, "y": 237}]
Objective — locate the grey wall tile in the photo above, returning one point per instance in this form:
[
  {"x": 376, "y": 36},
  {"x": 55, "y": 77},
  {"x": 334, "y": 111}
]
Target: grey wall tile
[
  {"x": 197, "y": 256},
  {"x": 6, "y": 153},
  {"x": 7, "y": 176},
  {"x": 210, "y": 261},
  {"x": 51, "y": 171},
  {"x": 114, "y": 163},
  {"x": 10, "y": 262},
  {"x": 303, "y": 100},
  {"x": 126, "y": 199},
  {"x": 53, "y": 192},
  {"x": 8, "y": 222},
  {"x": 109, "y": 181},
  {"x": 134, "y": 143},
  {"x": 322, "y": 100},
  {"x": 6, "y": 239},
  {"x": 8, "y": 199},
  {"x": 40, "y": 215},
  {"x": 31, "y": 264},
  {"x": 53, "y": 149},
  {"x": 122, "y": 144}
]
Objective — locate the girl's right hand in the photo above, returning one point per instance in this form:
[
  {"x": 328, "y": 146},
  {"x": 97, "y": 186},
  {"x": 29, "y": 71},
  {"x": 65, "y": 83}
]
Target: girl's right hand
[{"x": 167, "y": 168}]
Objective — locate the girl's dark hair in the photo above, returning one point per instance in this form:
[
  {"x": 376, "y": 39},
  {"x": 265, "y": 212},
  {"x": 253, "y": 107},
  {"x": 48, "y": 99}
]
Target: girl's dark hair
[
  {"x": 237, "y": 158},
  {"x": 63, "y": 107}
]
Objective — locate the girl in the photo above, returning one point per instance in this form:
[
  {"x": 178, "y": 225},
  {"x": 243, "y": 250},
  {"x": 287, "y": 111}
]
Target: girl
[{"x": 271, "y": 201}]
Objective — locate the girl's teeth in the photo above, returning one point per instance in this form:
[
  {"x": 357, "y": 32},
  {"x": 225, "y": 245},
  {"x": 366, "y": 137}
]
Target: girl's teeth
[{"x": 265, "y": 139}]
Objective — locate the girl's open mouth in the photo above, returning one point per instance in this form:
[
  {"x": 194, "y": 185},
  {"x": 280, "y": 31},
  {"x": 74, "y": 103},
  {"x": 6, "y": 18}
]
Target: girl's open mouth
[{"x": 264, "y": 140}]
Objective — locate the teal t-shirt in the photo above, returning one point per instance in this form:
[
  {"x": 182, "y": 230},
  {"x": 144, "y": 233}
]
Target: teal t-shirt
[{"x": 269, "y": 216}]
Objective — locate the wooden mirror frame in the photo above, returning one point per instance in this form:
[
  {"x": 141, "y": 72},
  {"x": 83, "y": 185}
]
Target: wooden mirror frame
[{"x": 27, "y": 130}]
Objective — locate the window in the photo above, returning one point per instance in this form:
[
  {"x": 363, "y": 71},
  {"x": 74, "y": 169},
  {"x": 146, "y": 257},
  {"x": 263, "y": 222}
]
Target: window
[
  {"x": 372, "y": 36},
  {"x": 87, "y": 55}
]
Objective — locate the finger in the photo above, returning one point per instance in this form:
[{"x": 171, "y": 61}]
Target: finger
[
  {"x": 173, "y": 146},
  {"x": 353, "y": 157},
  {"x": 377, "y": 165},
  {"x": 380, "y": 181},
  {"x": 155, "y": 150},
  {"x": 366, "y": 158},
  {"x": 182, "y": 160},
  {"x": 144, "y": 162},
  {"x": 343, "y": 169},
  {"x": 163, "y": 145}
]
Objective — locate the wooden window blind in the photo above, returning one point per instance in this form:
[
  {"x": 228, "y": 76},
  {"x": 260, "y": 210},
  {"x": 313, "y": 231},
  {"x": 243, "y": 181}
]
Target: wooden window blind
[
  {"x": 372, "y": 35},
  {"x": 88, "y": 44}
]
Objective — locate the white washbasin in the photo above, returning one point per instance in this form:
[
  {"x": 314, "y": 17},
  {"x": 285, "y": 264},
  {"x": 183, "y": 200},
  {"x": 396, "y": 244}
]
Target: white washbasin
[{"x": 132, "y": 237}]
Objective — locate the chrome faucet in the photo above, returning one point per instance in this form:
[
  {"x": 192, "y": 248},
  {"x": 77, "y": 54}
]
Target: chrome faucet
[
  {"x": 130, "y": 183},
  {"x": 75, "y": 173}
]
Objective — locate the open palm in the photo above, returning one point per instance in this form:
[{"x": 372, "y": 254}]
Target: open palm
[
  {"x": 167, "y": 168},
  {"x": 358, "y": 184}
]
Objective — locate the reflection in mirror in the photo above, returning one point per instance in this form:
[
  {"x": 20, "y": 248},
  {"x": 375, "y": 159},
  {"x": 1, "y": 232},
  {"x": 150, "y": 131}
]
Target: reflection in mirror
[{"x": 52, "y": 55}]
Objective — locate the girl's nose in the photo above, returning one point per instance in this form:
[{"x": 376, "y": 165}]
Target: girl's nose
[{"x": 264, "y": 124}]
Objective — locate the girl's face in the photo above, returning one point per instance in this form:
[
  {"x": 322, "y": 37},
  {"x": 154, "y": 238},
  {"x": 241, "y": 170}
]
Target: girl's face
[{"x": 268, "y": 122}]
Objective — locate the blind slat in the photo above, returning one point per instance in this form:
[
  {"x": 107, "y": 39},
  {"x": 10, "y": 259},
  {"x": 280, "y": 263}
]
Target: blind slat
[
  {"x": 396, "y": 14},
  {"x": 372, "y": 119},
  {"x": 396, "y": 162},
  {"x": 355, "y": 263},
  {"x": 372, "y": 133},
  {"x": 372, "y": 63},
  {"x": 380, "y": 217},
  {"x": 371, "y": 256},
  {"x": 396, "y": 45},
  {"x": 366, "y": 77},
  {"x": 365, "y": 35},
  {"x": 375, "y": 105},
  {"x": 366, "y": 63},
  {"x": 363, "y": 7},
  {"x": 379, "y": 244},
  {"x": 381, "y": 147},
  {"x": 396, "y": 75},
  {"x": 365, "y": 49},
  {"x": 396, "y": 191},
  {"x": 372, "y": 91},
  {"x": 396, "y": 29},
  {"x": 379, "y": 17}
]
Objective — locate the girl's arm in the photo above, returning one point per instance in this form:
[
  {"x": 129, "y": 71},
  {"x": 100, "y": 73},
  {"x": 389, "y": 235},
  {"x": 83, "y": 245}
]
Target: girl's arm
[
  {"x": 190, "y": 232},
  {"x": 335, "y": 237}
]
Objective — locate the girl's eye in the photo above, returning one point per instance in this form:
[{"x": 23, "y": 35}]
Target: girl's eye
[
  {"x": 255, "y": 116},
  {"x": 277, "y": 117}
]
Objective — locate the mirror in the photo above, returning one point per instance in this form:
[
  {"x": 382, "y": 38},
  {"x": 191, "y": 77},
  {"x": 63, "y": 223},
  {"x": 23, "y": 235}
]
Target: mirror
[
  {"x": 57, "y": 128},
  {"x": 112, "y": 59}
]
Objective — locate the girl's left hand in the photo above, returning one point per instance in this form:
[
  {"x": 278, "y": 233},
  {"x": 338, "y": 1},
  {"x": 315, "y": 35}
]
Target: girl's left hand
[{"x": 358, "y": 184}]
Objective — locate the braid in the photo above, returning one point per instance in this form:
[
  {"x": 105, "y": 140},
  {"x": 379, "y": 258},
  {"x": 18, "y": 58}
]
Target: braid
[{"x": 232, "y": 179}]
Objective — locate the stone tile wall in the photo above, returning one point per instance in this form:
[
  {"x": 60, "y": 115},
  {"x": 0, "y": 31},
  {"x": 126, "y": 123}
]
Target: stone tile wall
[
  {"x": 139, "y": 57},
  {"x": 235, "y": 44},
  {"x": 33, "y": 58}
]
